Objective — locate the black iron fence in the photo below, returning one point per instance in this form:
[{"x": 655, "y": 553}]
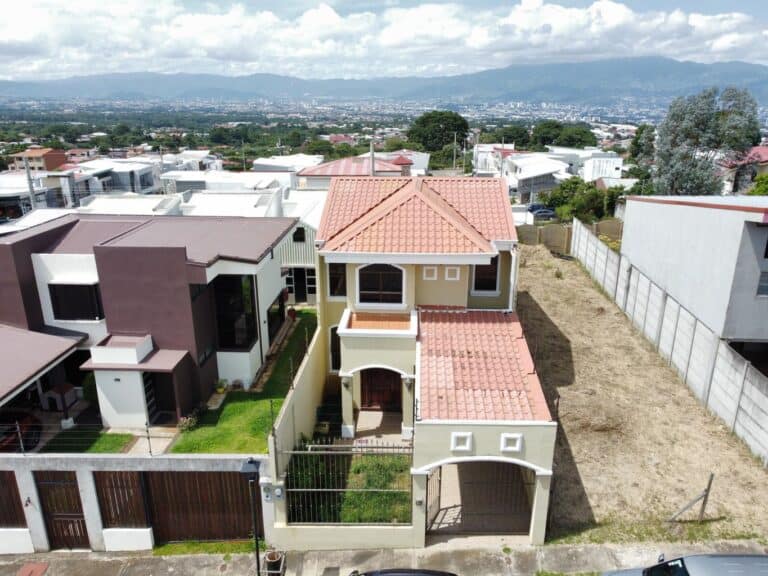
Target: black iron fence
[{"x": 334, "y": 481}]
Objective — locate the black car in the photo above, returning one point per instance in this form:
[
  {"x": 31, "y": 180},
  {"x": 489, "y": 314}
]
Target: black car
[
  {"x": 403, "y": 572},
  {"x": 544, "y": 214},
  {"x": 703, "y": 565},
  {"x": 14, "y": 421}
]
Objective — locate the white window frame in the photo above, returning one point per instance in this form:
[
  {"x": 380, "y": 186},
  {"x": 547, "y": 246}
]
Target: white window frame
[
  {"x": 452, "y": 273},
  {"x": 461, "y": 441},
  {"x": 762, "y": 281},
  {"x": 487, "y": 293},
  {"x": 380, "y": 305},
  {"x": 328, "y": 283},
  {"x": 511, "y": 442},
  {"x": 429, "y": 272}
]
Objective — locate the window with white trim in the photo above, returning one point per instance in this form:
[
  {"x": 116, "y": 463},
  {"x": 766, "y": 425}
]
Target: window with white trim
[
  {"x": 762, "y": 285},
  {"x": 461, "y": 441},
  {"x": 430, "y": 272},
  {"x": 511, "y": 442},
  {"x": 380, "y": 284},
  {"x": 452, "y": 273},
  {"x": 486, "y": 277}
]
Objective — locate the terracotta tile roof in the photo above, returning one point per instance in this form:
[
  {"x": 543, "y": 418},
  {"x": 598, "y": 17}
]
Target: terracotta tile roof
[
  {"x": 352, "y": 166},
  {"x": 33, "y": 153},
  {"x": 401, "y": 161},
  {"x": 476, "y": 365},
  {"x": 416, "y": 215}
]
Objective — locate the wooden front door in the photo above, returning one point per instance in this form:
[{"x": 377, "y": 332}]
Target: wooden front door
[
  {"x": 380, "y": 390},
  {"x": 62, "y": 509}
]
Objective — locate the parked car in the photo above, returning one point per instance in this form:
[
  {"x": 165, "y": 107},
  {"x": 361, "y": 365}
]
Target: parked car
[
  {"x": 30, "y": 427},
  {"x": 534, "y": 207},
  {"x": 544, "y": 214},
  {"x": 402, "y": 572},
  {"x": 702, "y": 565}
]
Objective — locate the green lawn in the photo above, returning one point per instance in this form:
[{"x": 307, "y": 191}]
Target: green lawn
[
  {"x": 81, "y": 440},
  {"x": 243, "y": 423},
  {"x": 382, "y": 472},
  {"x": 198, "y": 547}
]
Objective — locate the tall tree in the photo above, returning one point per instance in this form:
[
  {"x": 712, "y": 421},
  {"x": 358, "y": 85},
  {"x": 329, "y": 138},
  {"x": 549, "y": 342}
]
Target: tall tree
[
  {"x": 698, "y": 132},
  {"x": 546, "y": 132},
  {"x": 576, "y": 136},
  {"x": 438, "y": 128},
  {"x": 643, "y": 145}
]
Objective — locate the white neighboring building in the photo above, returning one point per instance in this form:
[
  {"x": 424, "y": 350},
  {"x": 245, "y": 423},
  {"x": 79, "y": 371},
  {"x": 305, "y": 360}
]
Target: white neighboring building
[
  {"x": 487, "y": 159},
  {"x": 177, "y": 181},
  {"x": 15, "y": 199},
  {"x": 528, "y": 175},
  {"x": 131, "y": 204},
  {"x": 709, "y": 253},
  {"x": 420, "y": 160},
  {"x": 588, "y": 163},
  {"x": 291, "y": 163}
]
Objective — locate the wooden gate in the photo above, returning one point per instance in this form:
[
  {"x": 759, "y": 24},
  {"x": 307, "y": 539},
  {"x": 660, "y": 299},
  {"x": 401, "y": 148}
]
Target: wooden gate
[
  {"x": 201, "y": 506},
  {"x": 62, "y": 509},
  {"x": 433, "y": 495}
]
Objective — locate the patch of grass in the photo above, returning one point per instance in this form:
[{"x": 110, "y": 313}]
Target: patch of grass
[
  {"x": 652, "y": 530},
  {"x": 379, "y": 472},
  {"x": 226, "y": 547},
  {"x": 84, "y": 440},
  {"x": 243, "y": 422}
]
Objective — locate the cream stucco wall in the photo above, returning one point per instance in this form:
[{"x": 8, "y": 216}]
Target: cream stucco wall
[
  {"x": 432, "y": 442},
  {"x": 498, "y": 300},
  {"x": 441, "y": 291},
  {"x": 358, "y": 352}
]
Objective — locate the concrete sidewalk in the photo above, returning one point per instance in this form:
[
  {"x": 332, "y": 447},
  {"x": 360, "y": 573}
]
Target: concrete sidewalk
[{"x": 466, "y": 557}]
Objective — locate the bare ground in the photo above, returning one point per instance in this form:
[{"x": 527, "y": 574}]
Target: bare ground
[{"x": 634, "y": 444}]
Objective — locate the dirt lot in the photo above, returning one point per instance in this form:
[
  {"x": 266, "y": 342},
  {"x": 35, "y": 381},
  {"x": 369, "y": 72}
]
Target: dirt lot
[{"x": 634, "y": 444}]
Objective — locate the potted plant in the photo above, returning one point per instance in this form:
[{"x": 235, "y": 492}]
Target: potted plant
[
  {"x": 292, "y": 313},
  {"x": 222, "y": 386},
  {"x": 273, "y": 560}
]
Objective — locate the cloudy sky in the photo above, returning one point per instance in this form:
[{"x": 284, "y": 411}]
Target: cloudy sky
[{"x": 363, "y": 38}]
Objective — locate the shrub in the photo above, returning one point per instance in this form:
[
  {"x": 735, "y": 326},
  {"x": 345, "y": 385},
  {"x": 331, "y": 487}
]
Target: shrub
[{"x": 187, "y": 423}]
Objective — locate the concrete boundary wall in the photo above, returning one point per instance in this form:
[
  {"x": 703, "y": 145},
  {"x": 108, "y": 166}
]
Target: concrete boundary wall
[
  {"x": 724, "y": 381},
  {"x": 35, "y": 536}
]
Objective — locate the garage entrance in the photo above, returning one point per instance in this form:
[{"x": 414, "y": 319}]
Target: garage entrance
[{"x": 479, "y": 498}]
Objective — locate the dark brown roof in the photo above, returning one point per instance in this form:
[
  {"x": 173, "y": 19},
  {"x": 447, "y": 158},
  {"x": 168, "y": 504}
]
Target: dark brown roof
[
  {"x": 209, "y": 239},
  {"x": 206, "y": 239},
  {"x": 24, "y": 353}
]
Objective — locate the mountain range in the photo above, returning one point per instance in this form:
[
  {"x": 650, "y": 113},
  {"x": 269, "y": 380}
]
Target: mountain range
[{"x": 597, "y": 82}]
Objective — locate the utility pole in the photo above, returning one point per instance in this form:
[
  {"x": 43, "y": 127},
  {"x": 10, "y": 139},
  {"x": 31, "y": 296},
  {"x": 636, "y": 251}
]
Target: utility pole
[
  {"x": 29, "y": 184},
  {"x": 454, "y": 150},
  {"x": 242, "y": 148}
]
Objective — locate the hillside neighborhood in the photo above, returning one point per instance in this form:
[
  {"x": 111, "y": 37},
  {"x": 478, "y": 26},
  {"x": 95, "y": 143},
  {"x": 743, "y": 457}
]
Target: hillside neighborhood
[{"x": 413, "y": 325}]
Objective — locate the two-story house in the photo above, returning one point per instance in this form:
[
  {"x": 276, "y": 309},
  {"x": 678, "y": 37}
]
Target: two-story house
[
  {"x": 160, "y": 308},
  {"x": 416, "y": 290}
]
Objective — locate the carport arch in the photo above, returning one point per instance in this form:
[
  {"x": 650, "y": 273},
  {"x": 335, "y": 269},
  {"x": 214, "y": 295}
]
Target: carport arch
[{"x": 539, "y": 506}]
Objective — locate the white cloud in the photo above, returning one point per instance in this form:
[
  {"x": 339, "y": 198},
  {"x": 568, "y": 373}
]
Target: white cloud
[{"x": 50, "y": 38}]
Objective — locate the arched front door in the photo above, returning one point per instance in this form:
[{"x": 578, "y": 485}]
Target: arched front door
[{"x": 380, "y": 389}]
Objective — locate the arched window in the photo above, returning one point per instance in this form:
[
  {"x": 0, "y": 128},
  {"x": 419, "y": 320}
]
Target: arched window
[{"x": 380, "y": 284}]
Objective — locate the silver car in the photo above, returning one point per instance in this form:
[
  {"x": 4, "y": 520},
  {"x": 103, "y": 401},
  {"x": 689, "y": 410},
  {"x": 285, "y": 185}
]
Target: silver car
[{"x": 703, "y": 565}]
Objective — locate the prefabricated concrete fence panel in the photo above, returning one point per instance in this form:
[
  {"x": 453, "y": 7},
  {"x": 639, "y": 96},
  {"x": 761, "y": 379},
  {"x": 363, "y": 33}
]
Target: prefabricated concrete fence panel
[
  {"x": 641, "y": 301},
  {"x": 681, "y": 351},
  {"x": 668, "y": 328},
  {"x": 752, "y": 418},
  {"x": 726, "y": 382},
  {"x": 700, "y": 361},
  {"x": 612, "y": 274},
  {"x": 654, "y": 313},
  {"x": 601, "y": 260},
  {"x": 622, "y": 283}
]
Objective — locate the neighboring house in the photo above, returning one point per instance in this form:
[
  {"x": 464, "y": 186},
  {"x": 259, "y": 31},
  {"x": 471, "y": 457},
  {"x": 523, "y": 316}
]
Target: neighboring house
[
  {"x": 81, "y": 154},
  {"x": 319, "y": 177},
  {"x": 528, "y": 175},
  {"x": 160, "y": 307},
  {"x": 708, "y": 253},
  {"x": 487, "y": 159},
  {"x": 588, "y": 163},
  {"x": 177, "y": 181},
  {"x": 125, "y": 175},
  {"x": 292, "y": 163},
  {"x": 39, "y": 159},
  {"x": 417, "y": 282},
  {"x": 419, "y": 161},
  {"x": 15, "y": 197},
  {"x": 342, "y": 139},
  {"x": 604, "y": 183}
]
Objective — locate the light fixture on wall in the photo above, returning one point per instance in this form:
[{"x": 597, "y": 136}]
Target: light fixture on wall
[
  {"x": 345, "y": 383},
  {"x": 408, "y": 383}
]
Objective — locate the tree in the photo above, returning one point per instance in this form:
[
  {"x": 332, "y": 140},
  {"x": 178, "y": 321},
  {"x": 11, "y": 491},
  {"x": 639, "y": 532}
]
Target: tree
[
  {"x": 576, "y": 136},
  {"x": 394, "y": 144},
  {"x": 294, "y": 139},
  {"x": 760, "y": 187},
  {"x": 322, "y": 147},
  {"x": 515, "y": 134},
  {"x": 437, "y": 129},
  {"x": 583, "y": 200},
  {"x": 698, "y": 132},
  {"x": 642, "y": 148},
  {"x": 546, "y": 132}
]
